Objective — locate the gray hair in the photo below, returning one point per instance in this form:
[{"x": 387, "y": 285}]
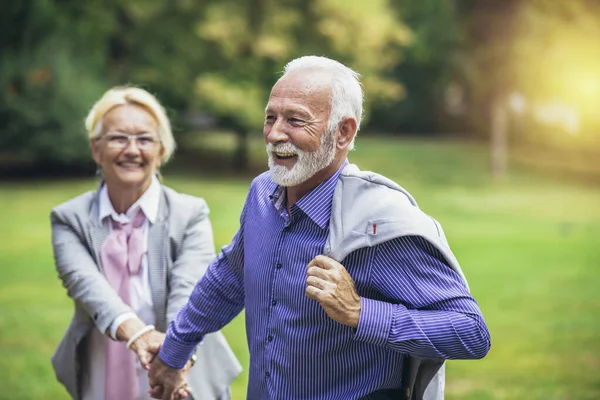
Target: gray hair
[{"x": 346, "y": 90}]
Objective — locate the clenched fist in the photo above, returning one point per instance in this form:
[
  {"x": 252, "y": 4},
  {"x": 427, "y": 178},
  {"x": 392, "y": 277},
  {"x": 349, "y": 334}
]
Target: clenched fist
[{"x": 329, "y": 283}]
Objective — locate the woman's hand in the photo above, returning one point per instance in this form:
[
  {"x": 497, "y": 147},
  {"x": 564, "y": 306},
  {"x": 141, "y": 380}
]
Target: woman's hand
[{"x": 147, "y": 346}]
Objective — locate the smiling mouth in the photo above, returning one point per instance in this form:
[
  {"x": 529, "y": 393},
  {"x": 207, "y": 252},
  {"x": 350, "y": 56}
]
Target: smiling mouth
[
  {"x": 130, "y": 165},
  {"x": 284, "y": 156}
]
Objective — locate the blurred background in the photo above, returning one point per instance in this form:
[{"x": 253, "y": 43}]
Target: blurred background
[{"x": 487, "y": 111}]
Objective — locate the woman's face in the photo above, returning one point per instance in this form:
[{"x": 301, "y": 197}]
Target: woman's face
[{"x": 128, "y": 150}]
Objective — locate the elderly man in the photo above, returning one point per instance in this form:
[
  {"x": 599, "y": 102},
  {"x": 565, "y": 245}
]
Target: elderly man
[{"x": 350, "y": 289}]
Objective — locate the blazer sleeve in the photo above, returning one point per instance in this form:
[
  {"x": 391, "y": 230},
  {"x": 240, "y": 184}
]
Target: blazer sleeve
[
  {"x": 194, "y": 254},
  {"x": 81, "y": 276}
]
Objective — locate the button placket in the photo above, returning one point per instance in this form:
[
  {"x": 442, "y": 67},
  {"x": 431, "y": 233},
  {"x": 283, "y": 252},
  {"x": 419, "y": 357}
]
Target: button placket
[{"x": 270, "y": 337}]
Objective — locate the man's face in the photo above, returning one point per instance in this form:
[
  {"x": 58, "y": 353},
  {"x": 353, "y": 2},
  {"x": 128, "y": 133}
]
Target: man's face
[{"x": 296, "y": 121}]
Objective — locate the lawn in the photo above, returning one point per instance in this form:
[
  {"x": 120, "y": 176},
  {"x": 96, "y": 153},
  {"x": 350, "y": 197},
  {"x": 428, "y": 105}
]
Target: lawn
[{"x": 530, "y": 246}]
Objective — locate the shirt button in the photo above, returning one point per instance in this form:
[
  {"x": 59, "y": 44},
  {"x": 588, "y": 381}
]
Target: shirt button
[
  {"x": 274, "y": 303},
  {"x": 278, "y": 266},
  {"x": 267, "y": 374},
  {"x": 269, "y": 338}
]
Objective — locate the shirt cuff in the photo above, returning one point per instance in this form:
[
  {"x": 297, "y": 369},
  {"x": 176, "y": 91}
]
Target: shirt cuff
[
  {"x": 112, "y": 330},
  {"x": 375, "y": 321},
  {"x": 175, "y": 353}
]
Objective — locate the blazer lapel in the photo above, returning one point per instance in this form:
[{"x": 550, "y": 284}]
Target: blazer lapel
[
  {"x": 98, "y": 230},
  {"x": 157, "y": 263}
]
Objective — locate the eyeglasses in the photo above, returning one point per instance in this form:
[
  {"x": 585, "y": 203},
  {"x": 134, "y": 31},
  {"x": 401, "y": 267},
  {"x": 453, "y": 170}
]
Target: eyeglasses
[{"x": 120, "y": 141}]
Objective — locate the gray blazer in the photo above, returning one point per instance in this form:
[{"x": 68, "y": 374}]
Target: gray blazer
[{"x": 180, "y": 248}]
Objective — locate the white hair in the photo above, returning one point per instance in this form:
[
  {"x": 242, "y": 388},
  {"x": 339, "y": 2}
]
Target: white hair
[{"x": 346, "y": 91}]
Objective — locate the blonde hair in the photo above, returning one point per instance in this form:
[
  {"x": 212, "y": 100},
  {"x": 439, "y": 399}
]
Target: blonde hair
[{"x": 122, "y": 95}]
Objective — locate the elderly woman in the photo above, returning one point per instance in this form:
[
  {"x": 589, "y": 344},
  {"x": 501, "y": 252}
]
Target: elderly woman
[{"x": 129, "y": 255}]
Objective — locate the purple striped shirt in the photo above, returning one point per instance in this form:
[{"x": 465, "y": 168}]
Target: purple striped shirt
[{"x": 412, "y": 302}]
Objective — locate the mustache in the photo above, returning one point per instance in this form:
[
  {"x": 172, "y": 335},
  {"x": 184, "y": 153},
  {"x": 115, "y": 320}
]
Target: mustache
[{"x": 282, "y": 148}]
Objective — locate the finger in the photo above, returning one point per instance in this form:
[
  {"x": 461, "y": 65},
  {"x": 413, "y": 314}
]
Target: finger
[
  {"x": 317, "y": 282},
  {"x": 181, "y": 389},
  {"x": 167, "y": 394},
  {"x": 148, "y": 358},
  {"x": 323, "y": 262},
  {"x": 152, "y": 379},
  {"x": 156, "y": 392},
  {"x": 182, "y": 393},
  {"x": 313, "y": 292},
  {"x": 143, "y": 356},
  {"x": 318, "y": 272},
  {"x": 175, "y": 394}
]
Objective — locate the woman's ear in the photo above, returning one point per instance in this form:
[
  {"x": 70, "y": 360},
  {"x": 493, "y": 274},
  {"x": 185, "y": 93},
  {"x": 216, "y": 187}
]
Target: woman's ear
[
  {"x": 96, "y": 151},
  {"x": 347, "y": 131},
  {"x": 161, "y": 157}
]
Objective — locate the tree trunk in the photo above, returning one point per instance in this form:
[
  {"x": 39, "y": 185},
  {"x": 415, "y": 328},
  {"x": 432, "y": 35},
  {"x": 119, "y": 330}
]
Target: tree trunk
[
  {"x": 241, "y": 152},
  {"x": 499, "y": 139}
]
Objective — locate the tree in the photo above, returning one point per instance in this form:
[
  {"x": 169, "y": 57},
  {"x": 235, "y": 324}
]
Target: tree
[
  {"x": 546, "y": 51},
  {"x": 218, "y": 56},
  {"x": 489, "y": 68},
  {"x": 251, "y": 40},
  {"x": 426, "y": 68},
  {"x": 46, "y": 84}
]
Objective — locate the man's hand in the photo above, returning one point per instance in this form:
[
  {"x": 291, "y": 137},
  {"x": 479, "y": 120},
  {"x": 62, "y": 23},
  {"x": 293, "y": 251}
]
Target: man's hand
[
  {"x": 331, "y": 285},
  {"x": 168, "y": 383},
  {"x": 147, "y": 346}
]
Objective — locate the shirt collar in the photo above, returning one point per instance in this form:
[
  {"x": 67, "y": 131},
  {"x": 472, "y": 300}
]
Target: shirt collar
[
  {"x": 148, "y": 202},
  {"x": 316, "y": 204}
]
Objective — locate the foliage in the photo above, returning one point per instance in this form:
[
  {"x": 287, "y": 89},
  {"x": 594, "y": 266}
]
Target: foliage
[
  {"x": 253, "y": 39},
  {"x": 426, "y": 69},
  {"x": 46, "y": 87},
  {"x": 217, "y": 56},
  {"x": 221, "y": 58}
]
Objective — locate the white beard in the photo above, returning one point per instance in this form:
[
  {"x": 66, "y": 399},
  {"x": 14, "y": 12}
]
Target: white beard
[{"x": 307, "y": 164}]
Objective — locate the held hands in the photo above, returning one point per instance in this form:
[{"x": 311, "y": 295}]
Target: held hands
[
  {"x": 145, "y": 341},
  {"x": 173, "y": 384},
  {"x": 331, "y": 285},
  {"x": 142, "y": 339},
  {"x": 168, "y": 383},
  {"x": 147, "y": 346}
]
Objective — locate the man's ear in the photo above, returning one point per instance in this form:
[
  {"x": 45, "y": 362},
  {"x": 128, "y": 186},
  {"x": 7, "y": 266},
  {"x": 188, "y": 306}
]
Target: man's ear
[{"x": 347, "y": 131}]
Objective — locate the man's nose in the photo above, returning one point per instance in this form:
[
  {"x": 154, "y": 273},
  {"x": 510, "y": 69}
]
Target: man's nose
[{"x": 276, "y": 133}]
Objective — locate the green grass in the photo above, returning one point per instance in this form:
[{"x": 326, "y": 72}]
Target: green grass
[{"x": 529, "y": 245}]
